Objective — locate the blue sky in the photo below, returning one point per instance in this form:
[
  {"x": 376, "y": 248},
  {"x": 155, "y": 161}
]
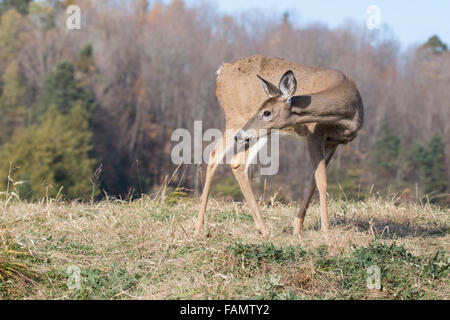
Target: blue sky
[{"x": 411, "y": 21}]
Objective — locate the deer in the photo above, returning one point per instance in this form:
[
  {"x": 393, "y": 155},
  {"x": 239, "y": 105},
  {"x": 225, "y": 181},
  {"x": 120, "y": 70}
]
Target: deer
[{"x": 319, "y": 104}]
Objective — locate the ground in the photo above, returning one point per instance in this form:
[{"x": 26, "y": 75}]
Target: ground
[{"x": 145, "y": 249}]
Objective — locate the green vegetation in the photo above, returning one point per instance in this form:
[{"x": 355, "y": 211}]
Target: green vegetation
[
  {"x": 14, "y": 270},
  {"x": 62, "y": 91},
  {"x": 253, "y": 255},
  {"x": 101, "y": 285},
  {"x": 18, "y": 5},
  {"x": 386, "y": 154},
  {"x": 396, "y": 164},
  {"x": 401, "y": 272},
  {"x": 436, "y": 44},
  {"x": 227, "y": 186},
  {"x": 51, "y": 159},
  {"x": 430, "y": 160},
  {"x": 52, "y": 156},
  {"x": 12, "y": 104}
]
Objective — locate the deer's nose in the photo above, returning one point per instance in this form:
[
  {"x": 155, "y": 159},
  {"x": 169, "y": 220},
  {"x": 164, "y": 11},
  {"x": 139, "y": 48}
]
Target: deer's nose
[{"x": 238, "y": 137}]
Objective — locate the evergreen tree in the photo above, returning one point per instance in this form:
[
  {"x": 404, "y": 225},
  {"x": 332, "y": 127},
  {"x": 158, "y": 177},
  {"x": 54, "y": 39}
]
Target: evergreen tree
[
  {"x": 86, "y": 68},
  {"x": 52, "y": 155},
  {"x": 430, "y": 162},
  {"x": 19, "y": 5},
  {"x": 86, "y": 62},
  {"x": 436, "y": 45},
  {"x": 12, "y": 30},
  {"x": 436, "y": 175},
  {"x": 385, "y": 155},
  {"x": 61, "y": 90},
  {"x": 418, "y": 161},
  {"x": 12, "y": 109}
]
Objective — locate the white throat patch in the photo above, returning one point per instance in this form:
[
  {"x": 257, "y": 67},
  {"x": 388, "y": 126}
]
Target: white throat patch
[{"x": 254, "y": 151}]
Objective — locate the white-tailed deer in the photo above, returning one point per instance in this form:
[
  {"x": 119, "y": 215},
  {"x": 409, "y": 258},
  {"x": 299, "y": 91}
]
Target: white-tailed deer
[{"x": 322, "y": 105}]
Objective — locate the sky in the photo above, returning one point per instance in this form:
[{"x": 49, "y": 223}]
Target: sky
[{"x": 412, "y": 21}]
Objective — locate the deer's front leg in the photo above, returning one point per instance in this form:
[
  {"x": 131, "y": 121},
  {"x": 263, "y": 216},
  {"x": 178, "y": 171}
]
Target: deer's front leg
[
  {"x": 241, "y": 173},
  {"x": 215, "y": 158},
  {"x": 316, "y": 146}
]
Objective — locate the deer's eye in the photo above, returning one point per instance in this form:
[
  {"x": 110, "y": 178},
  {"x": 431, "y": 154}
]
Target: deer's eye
[{"x": 267, "y": 115}]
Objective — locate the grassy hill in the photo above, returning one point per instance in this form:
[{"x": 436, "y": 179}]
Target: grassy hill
[{"x": 145, "y": 250}]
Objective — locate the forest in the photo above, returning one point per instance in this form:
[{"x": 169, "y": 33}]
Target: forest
[{"x": 89, "y": 113}]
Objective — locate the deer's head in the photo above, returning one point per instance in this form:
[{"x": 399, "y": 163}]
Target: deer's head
[{"x": 276, "y": 112}]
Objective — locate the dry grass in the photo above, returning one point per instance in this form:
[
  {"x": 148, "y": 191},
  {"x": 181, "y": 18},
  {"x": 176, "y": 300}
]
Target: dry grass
[{"x": 145, "y": 249}]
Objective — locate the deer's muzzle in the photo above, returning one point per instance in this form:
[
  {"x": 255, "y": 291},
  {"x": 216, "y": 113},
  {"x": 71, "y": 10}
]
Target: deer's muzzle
[{"x": 241, "y": 137}]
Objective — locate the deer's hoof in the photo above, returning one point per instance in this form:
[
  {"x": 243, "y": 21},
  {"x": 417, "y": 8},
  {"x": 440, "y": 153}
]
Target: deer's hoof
[
  {"x": 198, "y": 232},
  {"x": 264, "y": 232},
  {"x": 288, "y": 230},
  {"x": 297, "y": 227},
  {"x": 297, "y": 233}
]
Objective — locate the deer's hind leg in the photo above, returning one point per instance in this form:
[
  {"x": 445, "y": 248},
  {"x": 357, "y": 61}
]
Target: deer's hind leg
[
  {"x": 215, "y": 158},
  {"x": 299, "y": 219}
]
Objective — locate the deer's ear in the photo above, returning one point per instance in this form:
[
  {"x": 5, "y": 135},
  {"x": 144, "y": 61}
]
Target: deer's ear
[
  {"x": 270, "y": 89},
  {"x": 299, "y": 103},
  {"x": 288, "y": 84}
]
